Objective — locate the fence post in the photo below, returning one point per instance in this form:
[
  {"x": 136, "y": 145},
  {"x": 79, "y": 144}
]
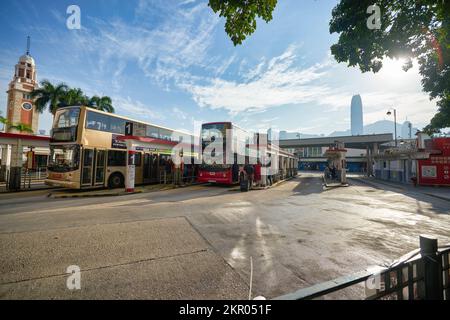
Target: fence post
[{"x": 431, "y": 268}]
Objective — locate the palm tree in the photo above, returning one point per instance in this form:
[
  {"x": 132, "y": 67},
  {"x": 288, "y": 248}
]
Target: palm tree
[
  {"x": 50, "y": 95},
  {"x": 21, "y": 127},
  {"x": 73, "y": 97},
  {"x": 3, "y": 121},
  {"x": 18, "y": 126},
  {"x": 102, "y": 104}
]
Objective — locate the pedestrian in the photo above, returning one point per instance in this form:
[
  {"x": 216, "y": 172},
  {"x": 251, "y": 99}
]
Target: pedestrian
[
  {"x": 250, "y": 171},
  {"x": 258, "y": 172},
  {"x": 235, "y": 172}
]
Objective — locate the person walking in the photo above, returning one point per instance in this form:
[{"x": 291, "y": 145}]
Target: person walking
[{"x": 250, "y": 171}]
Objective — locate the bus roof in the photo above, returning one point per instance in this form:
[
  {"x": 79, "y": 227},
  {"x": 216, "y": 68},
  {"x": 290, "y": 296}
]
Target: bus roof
[{"x": 126, "y": 118}]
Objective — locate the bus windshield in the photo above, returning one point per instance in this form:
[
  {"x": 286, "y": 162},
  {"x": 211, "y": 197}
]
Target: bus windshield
[
  {"x": 67, "y": 118},
  {"x": 210, "y": 132},
  {"x": 64, "y": 158}
]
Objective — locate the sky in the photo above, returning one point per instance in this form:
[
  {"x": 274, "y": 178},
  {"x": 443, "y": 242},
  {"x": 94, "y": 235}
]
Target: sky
[{"x": 170, "y": 63}]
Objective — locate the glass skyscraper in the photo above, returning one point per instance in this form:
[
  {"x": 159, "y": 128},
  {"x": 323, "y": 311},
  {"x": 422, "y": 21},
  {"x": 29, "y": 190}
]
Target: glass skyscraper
[{"x": 357, "y": 116}]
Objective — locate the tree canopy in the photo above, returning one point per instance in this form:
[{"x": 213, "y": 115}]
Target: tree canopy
[
  {"x": 241, "y": 15},
  {"x": 60, "y": 95},
  {"x": 412, "y": 29}
]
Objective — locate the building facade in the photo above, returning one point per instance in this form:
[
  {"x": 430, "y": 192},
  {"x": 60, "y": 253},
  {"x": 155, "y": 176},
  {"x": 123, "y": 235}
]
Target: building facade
[{"x": 20, "y": 105}]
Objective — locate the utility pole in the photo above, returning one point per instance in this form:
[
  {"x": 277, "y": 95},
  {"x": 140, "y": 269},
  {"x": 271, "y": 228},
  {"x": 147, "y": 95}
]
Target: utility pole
[{"x": 395, "y": 124}]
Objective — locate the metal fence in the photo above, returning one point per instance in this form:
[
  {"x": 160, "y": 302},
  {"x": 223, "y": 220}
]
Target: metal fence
[
  {"x": 28, "y": 177},
  {"x": 423, "y": 274}
]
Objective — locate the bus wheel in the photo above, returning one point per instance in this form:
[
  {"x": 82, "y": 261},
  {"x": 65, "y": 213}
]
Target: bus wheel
[{"x": 116, "y": 180}]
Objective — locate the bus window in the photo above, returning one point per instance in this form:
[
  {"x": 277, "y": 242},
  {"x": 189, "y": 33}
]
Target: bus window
[
  {"x": 165, "y": 134},
  {"x": 117, "y": 158},
  {"x": 64, "y": 158},
  {"x": 97, "y": 121},
  {"x": 67, "y": 118},
  {"x": 152, "y": 132},
  {"x": 117, "y": 125}
]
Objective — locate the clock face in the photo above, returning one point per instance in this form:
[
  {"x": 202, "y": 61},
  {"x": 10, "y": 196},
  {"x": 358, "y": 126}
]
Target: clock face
[{"x": 27, "y": 106}]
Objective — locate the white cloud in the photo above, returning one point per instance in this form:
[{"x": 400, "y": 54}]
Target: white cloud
[
  {"x": 136, "y": 109},
  {"x": 271, "y": 84},
  {"x": 180, "y": 114},
  {"x": 328, "y": 85}
]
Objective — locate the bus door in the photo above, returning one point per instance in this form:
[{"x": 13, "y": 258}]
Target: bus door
[
  {"x": 88, "y": 164},
  {"x": 100, "y": 167},
  {"x": 94, "y": 165},
  {"x": 148, "y": 167}
]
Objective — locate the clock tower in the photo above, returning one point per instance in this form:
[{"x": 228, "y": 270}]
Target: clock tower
[{"x": 21, "y": 108}]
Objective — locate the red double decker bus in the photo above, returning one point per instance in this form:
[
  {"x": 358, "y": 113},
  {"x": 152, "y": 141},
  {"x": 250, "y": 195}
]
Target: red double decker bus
[
  {"x": 214, "y": 142},
  {"x": 226, "y": 148}
]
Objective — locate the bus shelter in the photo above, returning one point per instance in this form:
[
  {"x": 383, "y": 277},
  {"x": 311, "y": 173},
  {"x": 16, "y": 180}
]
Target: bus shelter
[
  {"x": 18, "y": 152},
  {"x": 178, "y": 154}
]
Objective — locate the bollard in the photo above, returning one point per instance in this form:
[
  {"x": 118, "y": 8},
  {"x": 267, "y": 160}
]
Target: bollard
[{"x": 431, "y": 268}]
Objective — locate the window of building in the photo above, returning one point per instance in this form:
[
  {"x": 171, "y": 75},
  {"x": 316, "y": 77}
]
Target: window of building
[
  {"x": 21, "y": 73},
  {"x": 117, "y": 158}
]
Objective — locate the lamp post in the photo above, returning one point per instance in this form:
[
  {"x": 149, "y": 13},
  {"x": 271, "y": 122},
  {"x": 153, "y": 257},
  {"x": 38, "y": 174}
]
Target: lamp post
[{"x": 395, "y": 124}]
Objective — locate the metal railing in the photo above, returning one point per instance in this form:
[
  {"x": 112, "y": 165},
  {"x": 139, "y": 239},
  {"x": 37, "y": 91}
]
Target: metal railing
[
  {"x": 423, "y": 274},
  {"x": 27, "y": 177}
]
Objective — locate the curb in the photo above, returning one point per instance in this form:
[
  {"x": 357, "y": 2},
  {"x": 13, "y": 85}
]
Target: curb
[
  {"x": 117, "y": 194},
  {"x": 114, "y": 194},
  {"x": 27, "y": 190}
]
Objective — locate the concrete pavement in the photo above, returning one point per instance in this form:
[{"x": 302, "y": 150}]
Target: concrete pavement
[
  {"x": 144, "y": 260},
  {"x": 298, "y": 234}
]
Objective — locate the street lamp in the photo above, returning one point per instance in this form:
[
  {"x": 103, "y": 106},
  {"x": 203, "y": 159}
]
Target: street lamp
[{"x": 395, "y": 123}]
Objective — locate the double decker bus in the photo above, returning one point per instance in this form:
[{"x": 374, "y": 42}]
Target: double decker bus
[
  {"x": 86, "y": 149},
  {"x": 225, "y": 137},
  {"x": 218, "y": 133}
]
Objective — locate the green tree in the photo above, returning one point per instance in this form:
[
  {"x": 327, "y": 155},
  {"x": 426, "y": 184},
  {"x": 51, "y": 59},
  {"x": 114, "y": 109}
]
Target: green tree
[
  {"x": 18, "y": 126},
  {"x": 21, "y": 127},
  {"x": 73, "y": 97},
  {"x": 241, "y": 15},
  {"x": 102, "y": 104},
  {"x": 49, "y": 95},
  {"x": 412, "y": 29}
]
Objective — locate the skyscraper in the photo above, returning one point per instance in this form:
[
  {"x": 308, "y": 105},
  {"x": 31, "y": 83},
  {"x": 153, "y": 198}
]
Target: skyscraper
[{"x": 357, "y": 116}]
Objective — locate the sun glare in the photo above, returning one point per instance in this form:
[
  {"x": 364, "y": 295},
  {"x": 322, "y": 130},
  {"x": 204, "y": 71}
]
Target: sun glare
[{"x": 394, "y": 67}]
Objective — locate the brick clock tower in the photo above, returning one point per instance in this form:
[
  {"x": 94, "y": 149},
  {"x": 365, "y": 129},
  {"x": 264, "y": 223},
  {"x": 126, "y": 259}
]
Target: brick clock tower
[{"x": 21, "y": 108}]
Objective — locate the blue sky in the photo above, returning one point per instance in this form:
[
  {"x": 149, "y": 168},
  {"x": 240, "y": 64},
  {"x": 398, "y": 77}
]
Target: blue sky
[{"x": 170, "y": 62}]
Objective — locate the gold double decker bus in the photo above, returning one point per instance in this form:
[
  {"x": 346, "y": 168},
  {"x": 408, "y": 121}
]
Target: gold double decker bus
[{"x": 87, "y": 151}]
